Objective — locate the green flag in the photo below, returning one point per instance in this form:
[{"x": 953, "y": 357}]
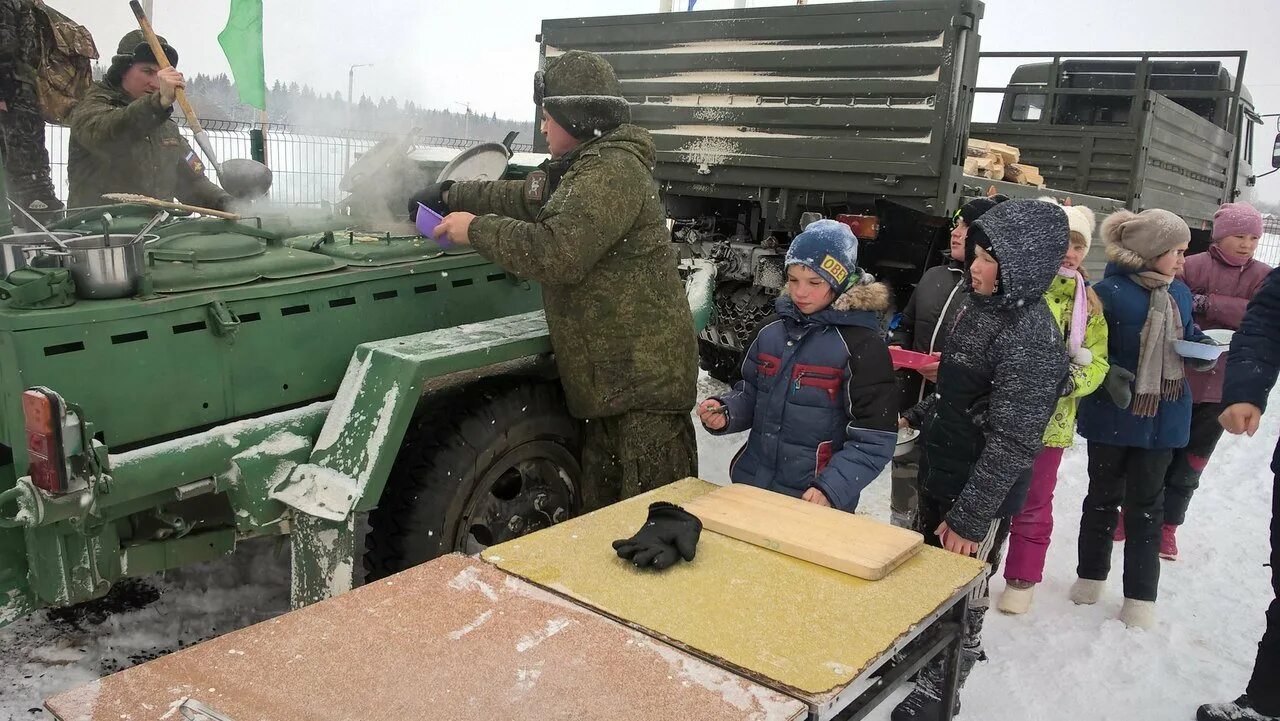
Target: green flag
[{"x": 241, "y": 40}]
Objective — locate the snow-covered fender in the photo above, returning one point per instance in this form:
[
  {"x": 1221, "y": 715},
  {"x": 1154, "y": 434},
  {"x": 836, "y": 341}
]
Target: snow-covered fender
[{"x": 352, "y": 457}]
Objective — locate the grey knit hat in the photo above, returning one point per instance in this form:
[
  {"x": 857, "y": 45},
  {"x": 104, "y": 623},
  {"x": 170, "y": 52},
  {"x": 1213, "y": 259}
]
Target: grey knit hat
[
  {"x": 582, "y": 93},
  {"x": 1135, "y": 239}
]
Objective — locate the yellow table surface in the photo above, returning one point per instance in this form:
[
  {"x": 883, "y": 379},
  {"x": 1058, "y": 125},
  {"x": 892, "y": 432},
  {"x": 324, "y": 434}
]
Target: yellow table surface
[{"x": 789, "y": 624}]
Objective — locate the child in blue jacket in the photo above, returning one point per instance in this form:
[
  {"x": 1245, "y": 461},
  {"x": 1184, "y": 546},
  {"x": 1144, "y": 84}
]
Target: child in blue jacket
[
  {"x": 1145, "y": 414},
  {"x": 818, "y": 390}
]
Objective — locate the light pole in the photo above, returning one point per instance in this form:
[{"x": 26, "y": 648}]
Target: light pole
[
  {"x": 351, "y": 85},
  {"x": 466, "y": 122}
]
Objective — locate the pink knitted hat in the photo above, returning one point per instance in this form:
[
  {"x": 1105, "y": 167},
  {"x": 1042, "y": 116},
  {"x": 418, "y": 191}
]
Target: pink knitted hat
[{"x": 1236, "y": 219}]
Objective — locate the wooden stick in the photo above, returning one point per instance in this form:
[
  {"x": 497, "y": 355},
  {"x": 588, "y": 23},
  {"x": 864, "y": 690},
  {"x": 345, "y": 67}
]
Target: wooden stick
[{"x": 169, "y": 204}]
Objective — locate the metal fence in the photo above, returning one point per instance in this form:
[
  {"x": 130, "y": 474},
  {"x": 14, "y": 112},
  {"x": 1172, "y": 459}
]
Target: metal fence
[
  {"x": 1269, "y": 244},
  {"x": 306, "y": 167}
]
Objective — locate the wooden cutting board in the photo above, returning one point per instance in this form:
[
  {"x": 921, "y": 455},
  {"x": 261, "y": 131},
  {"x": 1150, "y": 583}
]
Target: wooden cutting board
[{"x": 849, "y": 543}]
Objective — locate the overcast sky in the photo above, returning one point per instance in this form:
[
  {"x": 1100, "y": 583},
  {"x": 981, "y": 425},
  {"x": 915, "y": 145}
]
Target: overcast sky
[{"x": 442, "y": 53}]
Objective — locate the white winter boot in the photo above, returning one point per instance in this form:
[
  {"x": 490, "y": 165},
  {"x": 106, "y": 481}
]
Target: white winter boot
[
  {"x": 1086, "y": 591},
  {"x": 1017, "y": 596},
  {"x": 1138, "y": 614}
]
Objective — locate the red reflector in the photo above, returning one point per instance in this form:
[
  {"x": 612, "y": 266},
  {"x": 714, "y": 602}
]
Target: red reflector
[
  {"x": 865, "y": 227},
  {"x": 39, "y": 444},
  {"x": 38, "y": 410},
  {"x": 47, "y": 475}
]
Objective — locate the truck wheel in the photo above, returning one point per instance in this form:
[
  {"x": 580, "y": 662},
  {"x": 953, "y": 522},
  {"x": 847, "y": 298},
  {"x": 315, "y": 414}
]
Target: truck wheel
[
  {"x": 719, "y": 363},
  {"x": 486, "y": 466}
]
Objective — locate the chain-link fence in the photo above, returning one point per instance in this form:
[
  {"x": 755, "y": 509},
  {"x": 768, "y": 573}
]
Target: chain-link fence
[{"x": 306, "y": 167}]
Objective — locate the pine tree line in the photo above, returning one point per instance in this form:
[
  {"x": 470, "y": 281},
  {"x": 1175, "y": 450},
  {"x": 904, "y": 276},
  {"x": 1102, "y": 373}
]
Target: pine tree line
[{"x": 300, "y": 106}]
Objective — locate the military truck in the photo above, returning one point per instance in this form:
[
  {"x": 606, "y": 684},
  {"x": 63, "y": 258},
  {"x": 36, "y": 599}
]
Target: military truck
[
  {"x": 327, "y": 374},
  {"x": 765, "y": 118}
]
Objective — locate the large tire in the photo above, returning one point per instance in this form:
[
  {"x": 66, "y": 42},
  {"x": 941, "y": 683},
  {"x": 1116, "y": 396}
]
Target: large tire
[
  {"x": 719, "y": 363},
  {"x": 487, "y": 465}
]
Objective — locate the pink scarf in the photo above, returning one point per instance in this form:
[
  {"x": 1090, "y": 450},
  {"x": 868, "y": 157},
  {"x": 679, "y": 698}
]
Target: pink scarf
[{"x": 1079, "y": 312}]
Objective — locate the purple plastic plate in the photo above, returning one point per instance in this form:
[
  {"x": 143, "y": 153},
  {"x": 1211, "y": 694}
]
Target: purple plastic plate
[{"x": 427, "y": 221}]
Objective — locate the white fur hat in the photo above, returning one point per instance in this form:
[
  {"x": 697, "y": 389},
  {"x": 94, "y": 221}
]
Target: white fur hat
[{"x": 1080, "y": 219}]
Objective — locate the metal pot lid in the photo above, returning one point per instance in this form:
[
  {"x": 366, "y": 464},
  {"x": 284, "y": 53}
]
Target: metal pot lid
[
  {"x": 486, "y": 161},
  {"x": 206, "y": 247}
]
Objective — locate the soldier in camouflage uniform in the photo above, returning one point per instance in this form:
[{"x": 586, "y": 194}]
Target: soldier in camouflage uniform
[
  {"x": 26, "y": 160},
  {"x": 124, "y": 141},
  {"x": 590, "y": 227}
]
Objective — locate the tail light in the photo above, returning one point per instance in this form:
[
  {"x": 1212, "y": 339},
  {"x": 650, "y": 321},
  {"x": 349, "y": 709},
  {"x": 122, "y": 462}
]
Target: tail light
[
  {"x": 865, "y": 227},
  {"x": 44, "y": 412}
]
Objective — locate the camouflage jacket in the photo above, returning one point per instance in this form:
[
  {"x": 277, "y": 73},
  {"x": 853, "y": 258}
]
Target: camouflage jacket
[
  {"x": 119, "y": 146},
  {"x": 19, "y": 46},
  {"x": 599, "y": 245}
]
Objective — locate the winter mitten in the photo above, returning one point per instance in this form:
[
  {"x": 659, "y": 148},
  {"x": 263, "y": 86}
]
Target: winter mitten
[
  {"x": 431, "y": 196},
  {"x": 669, "y": 534},
  {"x": 1203, "y": 366},
  {"x": 1117, "y": 385},
  {"x": 1199, "y": 303}
]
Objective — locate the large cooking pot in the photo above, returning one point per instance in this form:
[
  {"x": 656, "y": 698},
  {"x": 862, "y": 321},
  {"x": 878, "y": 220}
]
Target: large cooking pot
[
  {"x": 105, "y": 266},
  {"x": 17, "y": 250}
]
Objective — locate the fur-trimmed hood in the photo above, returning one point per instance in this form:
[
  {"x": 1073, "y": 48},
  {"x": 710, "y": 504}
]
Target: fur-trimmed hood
[{"x": 863, "y": 304}]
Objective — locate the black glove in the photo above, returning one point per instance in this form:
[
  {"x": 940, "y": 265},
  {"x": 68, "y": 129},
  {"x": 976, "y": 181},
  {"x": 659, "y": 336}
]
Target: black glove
[
  {"x": 1204, "y": 366},
  {"x": 669, "y": 534},
  {"x": 1117, "y": 385},
  {"x": 431, "y": 196}
]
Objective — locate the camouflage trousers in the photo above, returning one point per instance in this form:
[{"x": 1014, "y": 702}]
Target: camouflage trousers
[
  {"x": 26, "y": 160},
  {"x": 628, "y": 454}
]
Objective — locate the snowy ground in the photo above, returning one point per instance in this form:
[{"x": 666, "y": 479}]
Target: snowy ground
[{"x": 1060, "y": 662}]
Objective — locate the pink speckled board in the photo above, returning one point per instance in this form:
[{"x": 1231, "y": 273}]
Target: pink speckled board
[{"x": 451, "y": 639}]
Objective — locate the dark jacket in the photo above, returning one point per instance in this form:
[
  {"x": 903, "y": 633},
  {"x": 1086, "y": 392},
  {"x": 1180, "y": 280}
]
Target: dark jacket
[
  {"x": 120, "y": 145},
  {"x": 597, "y": 241},
  {"x": 1124, "y": 304},
  {"x": 933, "y": 305},
  {"x": 1255, "y": 353},
  {"x": 1001, "y": 375},
  {"x": 819, "y": 396},
  {"x": 19, "y": 47},
  {"x": 927, "y": 317}
]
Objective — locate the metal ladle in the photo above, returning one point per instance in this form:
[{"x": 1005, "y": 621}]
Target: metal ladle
[{"x": 56, "y": 241}]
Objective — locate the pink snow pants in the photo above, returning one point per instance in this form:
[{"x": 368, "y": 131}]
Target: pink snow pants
[{"x": 1029, "y": 534}]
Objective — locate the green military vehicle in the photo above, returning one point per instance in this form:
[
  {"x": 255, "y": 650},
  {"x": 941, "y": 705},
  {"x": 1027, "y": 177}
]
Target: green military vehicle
[
  {"x": 325, "y": 373},
  {"x": 767, "y": 117}
]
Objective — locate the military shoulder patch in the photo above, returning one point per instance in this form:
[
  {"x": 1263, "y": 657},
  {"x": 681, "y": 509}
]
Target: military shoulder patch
[
  {"x": 835, "y": 268},
  {"x": 535, "y": 186},
  {"x": 193, "y": 161}
]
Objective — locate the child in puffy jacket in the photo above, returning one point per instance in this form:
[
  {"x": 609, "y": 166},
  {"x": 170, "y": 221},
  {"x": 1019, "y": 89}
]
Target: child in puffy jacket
[
  {"x": 1078, "y": 313},
  {"x": 1134, "y": 428},
  {"x": 1222, "y": 280},
  {"x": 821, "y": 364},
  {"x": 1003, "y": 369}
]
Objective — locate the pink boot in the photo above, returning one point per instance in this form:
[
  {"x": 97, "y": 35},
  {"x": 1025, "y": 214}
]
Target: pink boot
[
  {"x": 1169, "y": 542},
  {"x": 1120, "y": 529}
]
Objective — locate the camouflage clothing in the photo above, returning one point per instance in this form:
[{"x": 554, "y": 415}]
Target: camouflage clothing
[
  {"x": 599, "y": 245},
  {"x": 123, "y": 146},
  {"x": 626, "y": 455},
  {"x": 22, "y": 141}
]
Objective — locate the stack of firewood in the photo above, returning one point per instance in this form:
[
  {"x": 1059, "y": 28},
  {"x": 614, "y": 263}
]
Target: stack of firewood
[{"x": 997, "y": 161}]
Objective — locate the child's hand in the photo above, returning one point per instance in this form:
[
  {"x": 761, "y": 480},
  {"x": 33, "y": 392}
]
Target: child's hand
[
  {"x": 902, "y": 422},
  {"x": 1241, "y": 418},
  {"x": 713, "y": 414},
  {"x": 816, "y": 497},
  {"x": 953, "y": 542}
]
